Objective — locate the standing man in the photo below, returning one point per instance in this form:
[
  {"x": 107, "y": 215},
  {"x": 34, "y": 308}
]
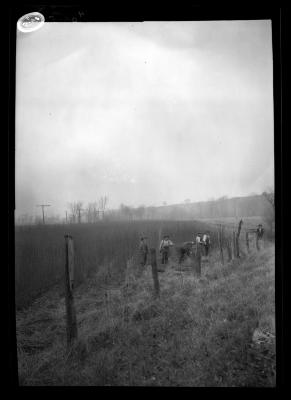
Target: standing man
[
  {"x": 199, "y": 242},
  {"x": 143, "y": 251},
  {"x": 260, "y": 233},
  {"x": 165, "y": 245},
  {"x": 206, "y": 242}
]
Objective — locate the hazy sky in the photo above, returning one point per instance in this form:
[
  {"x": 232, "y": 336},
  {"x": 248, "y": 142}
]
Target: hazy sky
[{"x": 143, "y": 112}]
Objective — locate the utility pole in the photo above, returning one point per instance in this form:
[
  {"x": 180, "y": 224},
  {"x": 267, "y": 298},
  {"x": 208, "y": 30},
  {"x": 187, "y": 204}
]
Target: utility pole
[{"x": 43, "y": 206}]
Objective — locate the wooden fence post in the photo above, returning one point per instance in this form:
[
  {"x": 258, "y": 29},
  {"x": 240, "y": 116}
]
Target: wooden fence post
[
  {"x": 237, "y": 237},
  {"x": 220, "y": 243},
  {"x": 72, "y": 331},
  {"x": 197, "y": 260},
  {"x": 155, "y": 273},
  {"x": 257, "y": 243},
  {"x": 228, "y": 246},
  {"x": 247, "y": 241},
  {"x": 237, "y": 246},
  {"x": 234, "y": 244}
]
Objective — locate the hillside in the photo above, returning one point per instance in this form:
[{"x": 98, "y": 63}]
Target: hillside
[
  {"x": 199, "y": 333},
  {"x": 237, "y": 207}
]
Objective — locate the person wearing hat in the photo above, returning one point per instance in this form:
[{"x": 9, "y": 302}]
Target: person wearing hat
[
  {"x": 260, "y": 233},
  {"x": 206, "y": 242},
  {"x": 143, "y": 250},
  {"x": 165, "y": 245}
]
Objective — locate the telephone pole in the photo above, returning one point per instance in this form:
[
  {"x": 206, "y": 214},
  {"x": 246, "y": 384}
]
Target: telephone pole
[{"x": 43, "y": 206}]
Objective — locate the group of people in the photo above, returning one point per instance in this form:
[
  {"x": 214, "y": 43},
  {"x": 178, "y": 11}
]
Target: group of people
[
  {"x": 202, "y": 241},
  {"x": 165, "y": 245}
]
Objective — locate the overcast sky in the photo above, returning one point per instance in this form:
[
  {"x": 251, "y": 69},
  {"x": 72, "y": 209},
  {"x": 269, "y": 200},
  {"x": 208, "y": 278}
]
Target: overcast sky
[{"x": 143, "y": 112}]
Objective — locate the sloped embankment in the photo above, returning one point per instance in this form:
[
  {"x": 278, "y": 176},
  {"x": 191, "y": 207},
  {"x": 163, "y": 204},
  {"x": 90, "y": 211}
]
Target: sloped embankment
[{"x": 199, "y": 333}]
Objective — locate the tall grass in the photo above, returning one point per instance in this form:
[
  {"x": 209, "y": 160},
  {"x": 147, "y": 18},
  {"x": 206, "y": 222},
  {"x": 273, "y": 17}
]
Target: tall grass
[
  {"x": 198, "y": 333},
  {"x": 40, "y": 250}
]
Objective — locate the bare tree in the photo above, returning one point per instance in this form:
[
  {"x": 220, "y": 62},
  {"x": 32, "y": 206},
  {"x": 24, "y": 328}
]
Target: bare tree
[
  {"x": 79, "y": 205},
  {"x": 95, "y": 211},
  {"x": 103, "y": 201},
  {"x": 42, "y": 207},
  {"x": 90, "y": 212},
  {"x": 74, "y": 211}
]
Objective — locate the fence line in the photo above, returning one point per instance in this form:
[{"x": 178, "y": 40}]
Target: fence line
[{"x": 71, "y": 319}]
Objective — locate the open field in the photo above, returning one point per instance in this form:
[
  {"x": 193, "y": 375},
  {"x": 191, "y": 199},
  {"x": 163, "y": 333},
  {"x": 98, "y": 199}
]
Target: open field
[
  {"x": 199, "y": 333},
  {"x": 40, "y": 250}
]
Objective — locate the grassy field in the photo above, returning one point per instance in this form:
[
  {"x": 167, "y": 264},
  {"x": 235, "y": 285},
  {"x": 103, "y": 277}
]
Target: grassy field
[
  {"x": 199, "y": 333},
  {"x": 248, "y": 223},
  {"x": 40, "y": 250},
  {"x": 232, "y": 222}
]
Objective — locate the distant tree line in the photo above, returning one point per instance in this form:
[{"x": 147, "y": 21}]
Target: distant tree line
[
  {"x": 255, "y": 205},
  {"x": 93, "y": 212}
]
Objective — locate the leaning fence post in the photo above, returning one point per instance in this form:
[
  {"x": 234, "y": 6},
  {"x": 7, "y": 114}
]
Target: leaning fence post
[
  {"x": 237, "y": 246},
  {"x": 155, "y": 273},
  {"x": 72, "y": 331},
  {"x": 228, "y": 245}
]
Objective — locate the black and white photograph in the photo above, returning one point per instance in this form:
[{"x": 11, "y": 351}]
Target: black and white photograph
[{"x": 144, "y": 203}]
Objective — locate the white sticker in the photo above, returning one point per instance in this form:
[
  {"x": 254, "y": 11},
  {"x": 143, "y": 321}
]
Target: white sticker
[{"x": 30, "y": 22}]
